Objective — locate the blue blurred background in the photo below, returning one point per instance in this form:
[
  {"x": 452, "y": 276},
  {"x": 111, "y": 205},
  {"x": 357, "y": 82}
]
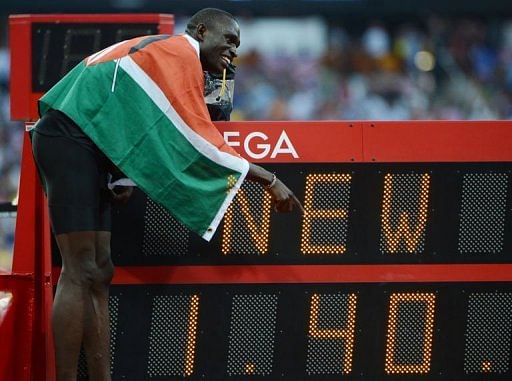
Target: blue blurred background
[{"x": 319, "y": 59}]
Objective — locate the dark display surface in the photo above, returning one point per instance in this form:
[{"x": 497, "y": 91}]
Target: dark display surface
[
  {"x": 369, "y": 215},
  {"x": 312, "y": 332},
  {"x": 355, "y": 214},
  {"x": 58, "y": 47}
]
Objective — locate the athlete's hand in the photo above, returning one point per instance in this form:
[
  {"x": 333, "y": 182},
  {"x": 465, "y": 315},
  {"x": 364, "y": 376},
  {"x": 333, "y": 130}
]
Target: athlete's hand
[
  {"x": 283, "y": 198},
  {"x": 121, "y": 194}
]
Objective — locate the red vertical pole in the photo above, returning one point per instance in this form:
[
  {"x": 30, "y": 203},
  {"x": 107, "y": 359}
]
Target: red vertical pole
[
  {"x": 32, "y": 256},
  {"x": 20, "y": 30},
  {"x": 25, "y": 240},
  {"x": 47, "y": 296}
]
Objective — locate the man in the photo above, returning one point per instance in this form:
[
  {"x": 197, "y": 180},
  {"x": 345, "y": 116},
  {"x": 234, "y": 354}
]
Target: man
[{"x": 137, "y": 105}]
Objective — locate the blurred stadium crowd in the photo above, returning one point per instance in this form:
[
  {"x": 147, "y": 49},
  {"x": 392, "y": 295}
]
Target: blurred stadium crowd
[
  {"x": 444, "y": 69},
  {"x": 439, "y": 68}
]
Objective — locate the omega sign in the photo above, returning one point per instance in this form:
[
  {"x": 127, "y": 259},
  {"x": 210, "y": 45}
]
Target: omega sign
[{"x": 258, "y": 145}]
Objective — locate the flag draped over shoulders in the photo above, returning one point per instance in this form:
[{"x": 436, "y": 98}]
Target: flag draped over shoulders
[{"x": 141, "y": 102}]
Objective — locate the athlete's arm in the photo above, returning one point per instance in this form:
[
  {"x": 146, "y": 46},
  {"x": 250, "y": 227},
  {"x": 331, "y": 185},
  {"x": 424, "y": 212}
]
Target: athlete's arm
[{"x": 283, "y": 198}]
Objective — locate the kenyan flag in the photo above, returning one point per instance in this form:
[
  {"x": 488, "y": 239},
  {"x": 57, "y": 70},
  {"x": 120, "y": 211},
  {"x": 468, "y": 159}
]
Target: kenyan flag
[{"x": 141, "y": 101}]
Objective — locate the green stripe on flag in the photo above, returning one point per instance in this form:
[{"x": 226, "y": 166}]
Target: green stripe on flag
[{"x": 143, "y": 142}]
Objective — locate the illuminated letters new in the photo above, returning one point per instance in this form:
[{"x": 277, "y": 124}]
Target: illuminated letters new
[
  {"x": 256, "y": 221},
  {"x": 404, "y": 215},
  {"x": 335, "y": 214}
]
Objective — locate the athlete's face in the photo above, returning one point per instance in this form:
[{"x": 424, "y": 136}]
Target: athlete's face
[{"x": 218, "y": 44}]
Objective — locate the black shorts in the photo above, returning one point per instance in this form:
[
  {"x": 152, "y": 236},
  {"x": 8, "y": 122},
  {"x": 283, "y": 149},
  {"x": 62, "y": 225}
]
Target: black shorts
[{"x": 74, "y": 174}]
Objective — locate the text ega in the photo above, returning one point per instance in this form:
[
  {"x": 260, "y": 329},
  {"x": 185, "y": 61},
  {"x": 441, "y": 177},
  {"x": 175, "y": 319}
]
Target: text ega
[{"x": 258, "y": 145}]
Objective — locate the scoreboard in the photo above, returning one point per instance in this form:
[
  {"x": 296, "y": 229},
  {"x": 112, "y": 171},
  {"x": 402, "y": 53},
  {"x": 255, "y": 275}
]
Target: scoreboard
[{"x": 399, "y": 269}]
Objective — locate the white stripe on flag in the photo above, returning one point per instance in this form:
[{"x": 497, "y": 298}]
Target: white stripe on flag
[
  {"x": 158, "y": 97},
  {"x": 206, "y": 148}
]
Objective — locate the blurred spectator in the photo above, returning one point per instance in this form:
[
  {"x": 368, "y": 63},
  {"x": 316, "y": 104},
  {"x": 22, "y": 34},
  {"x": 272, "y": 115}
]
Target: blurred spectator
[{"x": 11, "y": 134}]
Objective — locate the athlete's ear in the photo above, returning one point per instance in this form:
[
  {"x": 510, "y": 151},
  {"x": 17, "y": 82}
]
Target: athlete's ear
[{"x": 201, "y": 31}]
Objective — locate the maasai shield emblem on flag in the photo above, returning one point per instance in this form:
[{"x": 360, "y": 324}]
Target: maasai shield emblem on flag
[{"x": 141, "y": 102}]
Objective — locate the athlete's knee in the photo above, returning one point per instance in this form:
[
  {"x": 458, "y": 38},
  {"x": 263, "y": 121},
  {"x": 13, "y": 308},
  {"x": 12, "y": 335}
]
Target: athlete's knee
[
  {"x": 104, "y": 263},
  {"x": 87, "y": 264},
  {"x": 105, "y": 272},
  {"x": 93, "y": 276},
  {"x": 82, "y": 274}
]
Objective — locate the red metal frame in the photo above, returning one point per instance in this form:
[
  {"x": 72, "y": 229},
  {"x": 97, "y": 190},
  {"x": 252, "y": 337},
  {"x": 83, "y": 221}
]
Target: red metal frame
[
  {"x": 314, "y": 141},
  {"x": 29, "y": 215},
  {"x": 23, "y": 100},
  {"x": 30, "y": 280},
  {"x": 437, "y": 141},
  {"x": 390, "y": 142},
  {"x": 21, "y": 73},
  {"x": 272, "y": 274}
]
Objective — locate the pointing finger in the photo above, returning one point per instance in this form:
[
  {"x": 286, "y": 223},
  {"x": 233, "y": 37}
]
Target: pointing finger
[{"x": 297, "y": 202}]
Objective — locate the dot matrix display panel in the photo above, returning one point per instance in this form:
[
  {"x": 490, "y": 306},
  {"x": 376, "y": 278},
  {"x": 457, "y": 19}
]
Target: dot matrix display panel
[{"x": 357, "y": 216}]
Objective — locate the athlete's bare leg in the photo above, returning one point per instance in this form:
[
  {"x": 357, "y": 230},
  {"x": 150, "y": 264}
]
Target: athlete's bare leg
[
  {"x": 96, "y": 327},
  {"x": 80, "y": 307}
]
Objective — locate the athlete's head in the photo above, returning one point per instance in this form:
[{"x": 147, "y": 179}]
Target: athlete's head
[{"x": 218, "y": 34}]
